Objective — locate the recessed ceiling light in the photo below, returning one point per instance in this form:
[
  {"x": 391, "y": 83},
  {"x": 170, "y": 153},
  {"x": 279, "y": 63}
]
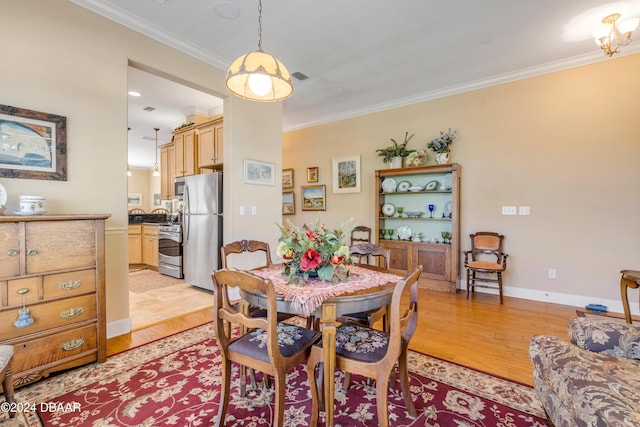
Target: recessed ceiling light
[
  {"x": 227, "y": 10},
  {"x": 134, "y": 93}
]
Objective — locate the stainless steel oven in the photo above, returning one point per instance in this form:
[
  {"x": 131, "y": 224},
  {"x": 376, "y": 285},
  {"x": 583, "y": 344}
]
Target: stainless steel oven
[{"x": 170, "y": 250}]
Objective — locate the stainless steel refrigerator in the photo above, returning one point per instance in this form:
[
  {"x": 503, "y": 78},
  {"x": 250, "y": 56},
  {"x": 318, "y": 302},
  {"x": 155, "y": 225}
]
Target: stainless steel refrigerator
[{"x": 202, "y": 228}]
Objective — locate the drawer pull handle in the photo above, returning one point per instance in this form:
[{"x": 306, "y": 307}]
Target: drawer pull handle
[
  {"x": 23, "y": 291},
  {"x": 71, "y": 313},
  {"x": 71, "y": 284},
  {"x": 12, "y": 252},
  {"x": 32, "y": 252},
  {"x": 73, "y": 344}
]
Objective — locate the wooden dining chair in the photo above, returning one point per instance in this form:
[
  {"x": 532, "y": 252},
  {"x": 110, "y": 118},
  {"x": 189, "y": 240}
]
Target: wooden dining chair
[
  {"x": 485, "y": 258},
  {"x": 360, "y": 234},
  {"x": 160, "y": 211},
  {"x": 265, "y": 345},
  {"x": 241, "y": 246},
  {"x": 136, "y": 211},
  {"x": 373, "y": 353}
]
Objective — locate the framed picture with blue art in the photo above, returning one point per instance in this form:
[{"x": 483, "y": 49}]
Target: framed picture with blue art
[
  {"x": 288, "y": 203},
  {"x": 313, "y": 198},
  {"x": 260, "y": 173},
  {"x": 156, "y": 199},
  {"x": 346, "y": 174}
]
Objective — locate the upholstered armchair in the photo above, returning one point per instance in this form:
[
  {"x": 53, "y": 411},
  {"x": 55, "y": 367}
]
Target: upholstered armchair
[{"x": 593, "y": 380}]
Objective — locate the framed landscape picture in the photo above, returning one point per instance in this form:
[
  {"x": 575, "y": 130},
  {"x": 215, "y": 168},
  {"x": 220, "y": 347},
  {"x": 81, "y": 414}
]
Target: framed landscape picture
[
  {"x": 313, "y": 198},
  {"x": 288, "y": 203},
  {"x": 34, "y": 144},
  {"x": 287, "y": 178},
  {"x": 346, "y": 174},
  {"x": 260, "y": 173}
]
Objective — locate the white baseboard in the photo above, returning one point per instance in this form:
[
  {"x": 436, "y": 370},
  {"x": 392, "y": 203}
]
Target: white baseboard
[
  {"x": 118, "y": 327},
  {"x": 613, "y": 305}
]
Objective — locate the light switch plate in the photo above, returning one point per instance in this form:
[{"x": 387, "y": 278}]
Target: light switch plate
[
  {"x": 524, "y": 210},
  {"x": 509, "y": 210}
]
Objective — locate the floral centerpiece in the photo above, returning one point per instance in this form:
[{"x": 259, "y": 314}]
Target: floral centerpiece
[{"x": 313, "y": 250}]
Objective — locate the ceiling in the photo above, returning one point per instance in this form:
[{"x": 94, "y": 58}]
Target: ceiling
[{"x": 363, "y": 56}]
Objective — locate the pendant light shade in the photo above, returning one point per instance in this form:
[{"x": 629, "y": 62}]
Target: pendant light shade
[{"x": 258, "y": 76}]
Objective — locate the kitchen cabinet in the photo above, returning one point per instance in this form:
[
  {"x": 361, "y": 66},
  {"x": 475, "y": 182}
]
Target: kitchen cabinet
[
  {"x": 210, "y": 144},
  {"x": 54, "y": 266},
  {"x": 414, "y": 233},
  {"x": 135, "y": 244},
  {"x": 150, "y": 245},
  {"x": 184, "y": 142},
  {"x": 167, "y": 170}
]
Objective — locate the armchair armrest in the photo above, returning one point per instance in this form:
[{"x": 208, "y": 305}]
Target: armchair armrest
[{"x": 602, "y": 335}]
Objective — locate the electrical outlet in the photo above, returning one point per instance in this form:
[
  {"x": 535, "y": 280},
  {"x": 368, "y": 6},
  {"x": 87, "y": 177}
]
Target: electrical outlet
[
  {"x": 524, "y": 210},
  {"x": 254, "y": 210},
  {"x": 509, "y": 210},
  {"x": 552, "y": 273}
]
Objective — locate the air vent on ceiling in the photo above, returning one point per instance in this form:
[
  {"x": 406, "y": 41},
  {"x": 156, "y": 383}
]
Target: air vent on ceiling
[
  {"x": 149, "y": 109},
  {"x": 300, "y": 76}
]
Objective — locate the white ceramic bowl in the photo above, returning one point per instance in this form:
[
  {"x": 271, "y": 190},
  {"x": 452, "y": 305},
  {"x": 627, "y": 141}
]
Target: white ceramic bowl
[{"x": 32, "y": 204}]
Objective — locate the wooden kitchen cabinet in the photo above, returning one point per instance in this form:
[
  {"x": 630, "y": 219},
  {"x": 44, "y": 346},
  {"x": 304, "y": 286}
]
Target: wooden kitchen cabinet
[
  {"x": 150, "y": 245},
  {"x": 210, "y": 144},
  {"x": 167, "y": 170},
  {"x": 184, "y": 141},
  {"x": 135, "y": 244},
  {"x": 55, "y": 266},
  {"x": 414, "y": 189}
]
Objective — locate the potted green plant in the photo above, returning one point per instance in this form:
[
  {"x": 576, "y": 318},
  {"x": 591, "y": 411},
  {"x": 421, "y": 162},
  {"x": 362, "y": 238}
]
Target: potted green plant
[{"x": 395, "y": 153}]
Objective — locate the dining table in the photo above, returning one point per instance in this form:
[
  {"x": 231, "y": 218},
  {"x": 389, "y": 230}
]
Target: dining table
[{"x": 367, "y": 288}]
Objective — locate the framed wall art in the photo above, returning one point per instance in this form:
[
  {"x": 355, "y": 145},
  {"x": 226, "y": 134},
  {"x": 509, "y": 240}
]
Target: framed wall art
[
  {"x": 260, "y": 173},
  {"x": 288, "y": 203},
  {"x": 134, "y": 200},
  {"x": 346, "y": 174},
  {"x": 312, "y": 174},
  {"x": 313, "y": 198},
  {"x": 35, "y": 144},
  {"x": 287, "y": 178}
]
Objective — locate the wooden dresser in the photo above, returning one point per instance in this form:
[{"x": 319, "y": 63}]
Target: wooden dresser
[{"x": 53, "y": 265}]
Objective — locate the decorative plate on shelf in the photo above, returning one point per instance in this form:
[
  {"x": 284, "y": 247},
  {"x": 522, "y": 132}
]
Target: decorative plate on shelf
[
  {"x": 404, "y": 233},
  {"x": 431, "y": 185},
  {"x": 415, "y": 188},
  {"x": 388, "y": 209},
  {"x": 389, "y": 185},
  {"x": 404, "y": 186}
]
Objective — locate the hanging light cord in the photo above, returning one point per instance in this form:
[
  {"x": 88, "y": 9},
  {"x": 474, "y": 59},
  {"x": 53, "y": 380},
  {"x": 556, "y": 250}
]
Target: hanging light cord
[{"x": 260, "y": 25}]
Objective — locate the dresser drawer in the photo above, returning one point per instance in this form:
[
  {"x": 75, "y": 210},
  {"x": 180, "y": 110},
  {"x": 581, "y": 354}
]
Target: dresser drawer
[
  {"x": 49, "y": 315},
  {"x": 19, "y": 287},
  {"x": 69, "y": 284},
  {"x": 56, "y": 347}
]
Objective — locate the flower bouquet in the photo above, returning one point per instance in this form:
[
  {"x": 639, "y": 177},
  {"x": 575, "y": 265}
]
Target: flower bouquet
[
  {"x": 441, "y": 144},
  {"x": 313, "y": 250}
]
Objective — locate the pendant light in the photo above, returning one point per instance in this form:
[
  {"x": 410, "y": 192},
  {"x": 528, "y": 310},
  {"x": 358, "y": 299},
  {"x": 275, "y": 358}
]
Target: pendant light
[
  {"x": 258, "y": 76},
  {"x": 157, "y": 171}
]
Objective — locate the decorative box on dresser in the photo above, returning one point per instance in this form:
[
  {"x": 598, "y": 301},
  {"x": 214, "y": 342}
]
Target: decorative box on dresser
[
  {"x": 414, "y": 189},
  {"x": 52, "y": 265}
]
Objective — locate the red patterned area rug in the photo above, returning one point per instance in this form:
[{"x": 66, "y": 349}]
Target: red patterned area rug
[{"x": 176, "y": 381}]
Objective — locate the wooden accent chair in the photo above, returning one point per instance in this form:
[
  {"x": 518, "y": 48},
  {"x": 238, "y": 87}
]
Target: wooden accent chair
[
  {"x": 241, "y": 246},
  {"x": 6, "y": 361},
  {"x": 486, "y": 258},
  {"x": 259, "y": 347},
  {"x": 136, "y": 211},
  {"x": 379, "y": 363},
  {"x": 360, "y": 234}
]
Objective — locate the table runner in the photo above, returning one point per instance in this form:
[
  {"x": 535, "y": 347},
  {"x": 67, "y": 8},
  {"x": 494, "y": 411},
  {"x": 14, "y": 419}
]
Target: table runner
[{"x": 306, "y": 298}]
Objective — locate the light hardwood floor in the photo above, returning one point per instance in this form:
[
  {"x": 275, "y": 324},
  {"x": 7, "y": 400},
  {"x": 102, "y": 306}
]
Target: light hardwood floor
[{"x": 479, "y": 333}]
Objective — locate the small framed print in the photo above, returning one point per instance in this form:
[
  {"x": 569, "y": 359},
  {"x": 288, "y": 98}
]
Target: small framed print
[
  {"x": 287, "y": 178},
  {"x": 288, "y": 203},
  {"x": 346, "y": 174},
  {"x": 134, "y": 200},
  {"x": 260, "y": 173},
  {"x": 312, "y": 174},
  {"x": 313, "y": 198}
]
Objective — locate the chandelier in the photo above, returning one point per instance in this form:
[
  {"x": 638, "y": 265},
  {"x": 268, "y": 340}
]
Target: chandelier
[
  {"x": 613, "y": 35},
  {"x": 258, "y": 76}
]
